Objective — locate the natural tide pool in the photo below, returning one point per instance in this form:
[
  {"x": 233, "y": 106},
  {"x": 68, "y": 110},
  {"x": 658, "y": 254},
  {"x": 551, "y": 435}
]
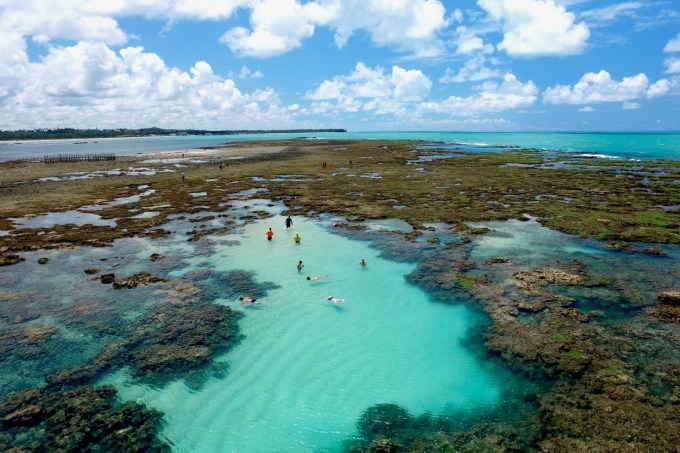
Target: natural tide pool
[{"x": 307, "y": 368}]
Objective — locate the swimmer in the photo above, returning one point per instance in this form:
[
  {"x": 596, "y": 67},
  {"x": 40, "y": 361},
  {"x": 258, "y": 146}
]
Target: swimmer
[
  {"x": 316, "y": 278},
  {"x": 362, "y": 262},
  {"x": 297, "y": 238},
  {"x": 300, "y": 265},
  {"x": 270, "y": 234},
  {"x": 250, "y": 300},
  {"x": 335, "y": 300}
]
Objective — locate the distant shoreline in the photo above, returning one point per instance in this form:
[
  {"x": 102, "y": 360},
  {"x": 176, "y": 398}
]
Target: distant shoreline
[{"x": 89, "y": 134}]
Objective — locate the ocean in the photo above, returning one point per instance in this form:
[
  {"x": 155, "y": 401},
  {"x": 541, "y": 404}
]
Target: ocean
[{"x": 623, "y": 145}]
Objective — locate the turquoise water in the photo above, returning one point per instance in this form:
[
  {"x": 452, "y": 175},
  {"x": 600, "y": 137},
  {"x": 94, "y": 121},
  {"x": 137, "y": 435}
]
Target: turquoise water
[
  {"x": 626, "y": 145},
  {"x": 307, "y": 367}
]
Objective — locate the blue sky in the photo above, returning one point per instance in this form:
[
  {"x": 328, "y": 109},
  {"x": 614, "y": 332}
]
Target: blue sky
[{"x": 354, "y": 64}]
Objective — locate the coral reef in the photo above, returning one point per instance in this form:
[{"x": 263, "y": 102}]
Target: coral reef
[
  {"x": 178, "y": 338},
  {"x": 84, "y": 419}
]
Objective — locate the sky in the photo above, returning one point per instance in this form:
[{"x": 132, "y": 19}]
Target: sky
[{"x": 361, "y": 65}]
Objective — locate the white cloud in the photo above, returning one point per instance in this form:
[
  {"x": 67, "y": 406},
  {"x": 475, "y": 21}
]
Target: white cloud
[
  {"x": 536, "y": 27},
  {"x": 586, "y": 109},
  {"x": 405, "y": 94},
  {"x": 663, "y": 87},
  {"x": 13, "y": 62},
  {"x": 202, "y": 9},
  {"x": 245, "y": 73},
  {"x": 279, "y": 26},
  {"x": 56, "y": 20},
  {"x": 672, "y": 65},
  {"x": 600, "y": 87},
  {"x": 363, "y": 83},
  {"x": 467, "y": 42},
  {"x": 673, "y": 45},
  {"x": 491, "y": 98},
  {"x": 409, "y": 25},
  {"x": 475, "y": 69},
  {"x": 90, "y": 85},
  {"x": 611, "y": 12},
  {"x": 631, "y": 106}
]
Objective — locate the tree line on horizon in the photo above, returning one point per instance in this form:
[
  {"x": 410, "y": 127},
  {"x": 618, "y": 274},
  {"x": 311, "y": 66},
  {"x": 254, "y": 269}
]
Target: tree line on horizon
[{"x": 71, "y": 133}]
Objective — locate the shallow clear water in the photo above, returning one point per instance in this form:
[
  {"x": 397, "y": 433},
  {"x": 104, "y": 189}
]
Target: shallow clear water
[
  {"x": 308, "y": 368},
  {"x": 62, "y": 218}
]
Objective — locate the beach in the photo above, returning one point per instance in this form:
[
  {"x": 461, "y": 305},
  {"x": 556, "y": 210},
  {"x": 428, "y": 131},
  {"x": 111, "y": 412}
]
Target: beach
[{"x": 554, "y": 275}]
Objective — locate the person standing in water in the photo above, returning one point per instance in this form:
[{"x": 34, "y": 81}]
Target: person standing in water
[
  {"x": 270, "y": 234},
  {"x": 289, "y": 222},
  {"x": 297, "y": 238},
  {"x": 300, "y": 265},
  {"x": 362, "y": 262}
]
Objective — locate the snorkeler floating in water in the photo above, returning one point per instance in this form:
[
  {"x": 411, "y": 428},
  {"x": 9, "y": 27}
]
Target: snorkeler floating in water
[
  {"x": 335, "y": 300},
  {"x": 317, "y": 278},
  {"x": 251, "y": 300}
]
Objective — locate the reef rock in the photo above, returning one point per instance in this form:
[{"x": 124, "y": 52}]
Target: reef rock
[
  {"x": 497, "y": 260},
  {"x": 7, "y": 259},
  {"x": 26, "y": 415},
  {"x": 156, "y": 257},
  {"x": 91, "y": 270},
  {"x": 108, "y": 278},
  {"x": 530, "y": 281},
  {"x": 655, "y": 251},
  {"x": 140, "y": 278},
  {"x": 669, "y": 297},
  {"x": 666, "y": 313}
]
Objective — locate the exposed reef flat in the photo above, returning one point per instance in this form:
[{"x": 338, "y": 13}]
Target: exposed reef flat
[{"x": 613, "y": 385}]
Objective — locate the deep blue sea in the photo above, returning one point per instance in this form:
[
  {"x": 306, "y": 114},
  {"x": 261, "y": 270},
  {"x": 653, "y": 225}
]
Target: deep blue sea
[{"x": 624, "y": 145}]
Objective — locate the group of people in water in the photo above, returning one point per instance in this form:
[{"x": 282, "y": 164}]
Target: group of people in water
[{"x": 270, "y": 235}]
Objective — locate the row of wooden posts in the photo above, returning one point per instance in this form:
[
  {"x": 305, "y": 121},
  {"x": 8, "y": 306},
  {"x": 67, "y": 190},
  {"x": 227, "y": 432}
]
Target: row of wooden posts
[{"x": 63, "y": 158}]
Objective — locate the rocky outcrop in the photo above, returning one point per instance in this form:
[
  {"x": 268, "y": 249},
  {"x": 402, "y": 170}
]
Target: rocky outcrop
[
  {"x": 669, "y": 297},
  {"x": 140, "y": 278},
  {"x": 529, "y": 282},
  {"x": 668, "y": 310},
  {"x": 655, "y": 251},
  {"x": 7, "y": 259},
  {"x": 497, "y": 260}
]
